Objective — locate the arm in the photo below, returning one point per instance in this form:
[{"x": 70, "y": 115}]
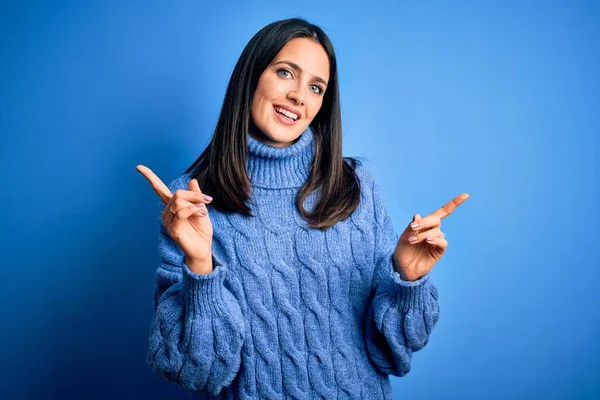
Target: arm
[
  {"x": 197, "y": 327},
  {"x": 401, "y": 314}
]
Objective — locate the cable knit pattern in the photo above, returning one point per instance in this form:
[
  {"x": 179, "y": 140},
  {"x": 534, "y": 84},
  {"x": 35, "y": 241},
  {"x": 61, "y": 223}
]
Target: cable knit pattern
[{"x": 289, "y": 312}]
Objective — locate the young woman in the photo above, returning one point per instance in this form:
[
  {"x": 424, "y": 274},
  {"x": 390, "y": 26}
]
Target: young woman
[{"x": 288, "y": 280}]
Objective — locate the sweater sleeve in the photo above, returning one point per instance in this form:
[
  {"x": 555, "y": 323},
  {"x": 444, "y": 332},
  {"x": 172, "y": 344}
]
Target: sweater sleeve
[
  {"x": 401, "y": 314},
  {"x": 197, "y": 327}
]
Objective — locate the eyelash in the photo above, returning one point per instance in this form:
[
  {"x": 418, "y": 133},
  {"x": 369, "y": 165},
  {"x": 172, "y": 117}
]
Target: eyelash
[{"x": 289, "y": 72}]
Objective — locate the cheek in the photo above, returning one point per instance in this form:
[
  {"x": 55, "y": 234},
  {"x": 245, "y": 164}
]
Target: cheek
[
  {"x": 258, "y": 103},
  {"x": 314, "y": 107},
  {"x": 269, "y": 88},
  {"x": 262, "y": 96}
]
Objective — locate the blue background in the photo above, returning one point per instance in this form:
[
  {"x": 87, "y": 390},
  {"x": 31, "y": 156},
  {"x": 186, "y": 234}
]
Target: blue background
[{"x": 500, "y": 100}]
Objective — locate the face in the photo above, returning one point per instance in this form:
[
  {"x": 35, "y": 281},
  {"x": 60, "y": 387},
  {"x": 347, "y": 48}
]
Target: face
[{"x": 290, "y": 92}]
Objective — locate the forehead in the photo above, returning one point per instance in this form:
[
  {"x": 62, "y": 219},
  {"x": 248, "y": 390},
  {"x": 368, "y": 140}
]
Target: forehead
[{"x": 308, "y": 54}]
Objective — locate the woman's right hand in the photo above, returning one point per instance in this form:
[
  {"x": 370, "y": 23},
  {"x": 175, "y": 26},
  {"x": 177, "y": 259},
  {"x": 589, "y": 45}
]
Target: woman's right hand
[{"x": 186, "y": 218}]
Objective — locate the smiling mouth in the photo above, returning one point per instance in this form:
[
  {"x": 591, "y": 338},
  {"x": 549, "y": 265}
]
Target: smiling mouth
[{"x": 286, "y": 113}]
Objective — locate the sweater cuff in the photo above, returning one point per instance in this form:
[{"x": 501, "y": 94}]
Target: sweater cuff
[
  {"x": 396, "y": 277},
  {"x": 412, "y": 294},
  {"x": 203, "y": 294}
]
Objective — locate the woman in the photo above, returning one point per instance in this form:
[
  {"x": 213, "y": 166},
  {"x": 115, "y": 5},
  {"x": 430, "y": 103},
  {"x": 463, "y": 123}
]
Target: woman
[{"x": 288, "y": 280}]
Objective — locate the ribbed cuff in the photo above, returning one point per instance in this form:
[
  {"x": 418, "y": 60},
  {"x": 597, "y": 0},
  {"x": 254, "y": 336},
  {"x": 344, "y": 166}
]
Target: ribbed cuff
[
  {"x": 396, "y": 277},
  {"x": 412, "y": 294},
  {"x": 203, "y": 294}
]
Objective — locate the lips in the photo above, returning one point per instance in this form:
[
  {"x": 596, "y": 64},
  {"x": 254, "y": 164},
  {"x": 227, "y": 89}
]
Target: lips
[
  {"x": 283, "y": 119},
  {"x": 287, "y": 111}
]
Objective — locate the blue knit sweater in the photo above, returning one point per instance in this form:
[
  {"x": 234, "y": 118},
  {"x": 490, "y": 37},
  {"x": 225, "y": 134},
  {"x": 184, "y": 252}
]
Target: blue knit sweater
[{"x": 289, "y": 311}]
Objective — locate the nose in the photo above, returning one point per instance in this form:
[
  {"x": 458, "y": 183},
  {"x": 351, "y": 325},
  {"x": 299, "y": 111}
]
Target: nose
[{"x": 297, "y": 96}]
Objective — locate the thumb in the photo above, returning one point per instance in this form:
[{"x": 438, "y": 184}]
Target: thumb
[
  {"x": 410, "y": 230},
  {"x": 194, "y": 186}
]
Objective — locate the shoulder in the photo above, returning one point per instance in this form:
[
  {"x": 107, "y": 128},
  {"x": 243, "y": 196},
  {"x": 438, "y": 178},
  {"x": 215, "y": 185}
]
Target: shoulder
[
  {"x": 365, "y": 177},
  {"x": 364, "y": 174},
  {"x": 372, "y": 202}
]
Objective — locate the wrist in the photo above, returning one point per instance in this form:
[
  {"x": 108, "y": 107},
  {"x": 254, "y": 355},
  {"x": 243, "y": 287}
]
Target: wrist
[
  {"x": 400, "y": 271},
  {"x": 396, "y": 265},
  {"x": 199, "y": 266}
]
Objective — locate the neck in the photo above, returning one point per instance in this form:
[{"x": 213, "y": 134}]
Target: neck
[{"x": 280, "y": 167}]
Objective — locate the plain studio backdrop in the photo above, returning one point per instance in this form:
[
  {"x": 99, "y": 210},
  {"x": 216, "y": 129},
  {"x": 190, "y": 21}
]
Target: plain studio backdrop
[{"x": 500, "y": 100}]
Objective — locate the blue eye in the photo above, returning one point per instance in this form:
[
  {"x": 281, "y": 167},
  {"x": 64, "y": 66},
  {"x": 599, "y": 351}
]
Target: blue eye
[
  {"x": 283, "y": 71},
  {"x": 318, "y": 88},
  {"x": 286, "y": 74}
]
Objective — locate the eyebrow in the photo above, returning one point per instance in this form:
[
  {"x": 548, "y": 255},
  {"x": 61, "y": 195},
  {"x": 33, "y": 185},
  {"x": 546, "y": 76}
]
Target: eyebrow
[{"x": 297, "y": 68}]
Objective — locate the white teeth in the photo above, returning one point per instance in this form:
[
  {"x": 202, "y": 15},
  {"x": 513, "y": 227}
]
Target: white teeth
[{"x": 286, "y": 113}]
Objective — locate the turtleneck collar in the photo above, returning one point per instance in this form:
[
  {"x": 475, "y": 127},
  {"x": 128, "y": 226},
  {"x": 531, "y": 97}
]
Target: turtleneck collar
[{"x": 280, "y": 167}]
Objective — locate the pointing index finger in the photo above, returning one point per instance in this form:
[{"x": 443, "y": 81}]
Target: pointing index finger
[
  {"x": 159, "y": 187},
  {"x": 449, "y": 207}
]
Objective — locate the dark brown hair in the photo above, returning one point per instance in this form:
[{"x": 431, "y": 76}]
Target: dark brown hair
[{"x": 221, "y": 168}]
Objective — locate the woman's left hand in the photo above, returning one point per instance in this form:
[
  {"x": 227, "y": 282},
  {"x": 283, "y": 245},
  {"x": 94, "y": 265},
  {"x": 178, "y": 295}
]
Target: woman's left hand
[{"x": 422, "y": 245}]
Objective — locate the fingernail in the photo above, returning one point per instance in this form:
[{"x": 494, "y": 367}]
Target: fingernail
[
  {"x": 207, "y": 197},
  {"x": 430, "y": 239},
  {"x": 412, "y": 238},
  {"x": 414, "y": 225}
]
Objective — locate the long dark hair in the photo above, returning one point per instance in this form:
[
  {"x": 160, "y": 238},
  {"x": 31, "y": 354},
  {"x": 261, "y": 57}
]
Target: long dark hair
[{"x": 221, "y": 168}]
